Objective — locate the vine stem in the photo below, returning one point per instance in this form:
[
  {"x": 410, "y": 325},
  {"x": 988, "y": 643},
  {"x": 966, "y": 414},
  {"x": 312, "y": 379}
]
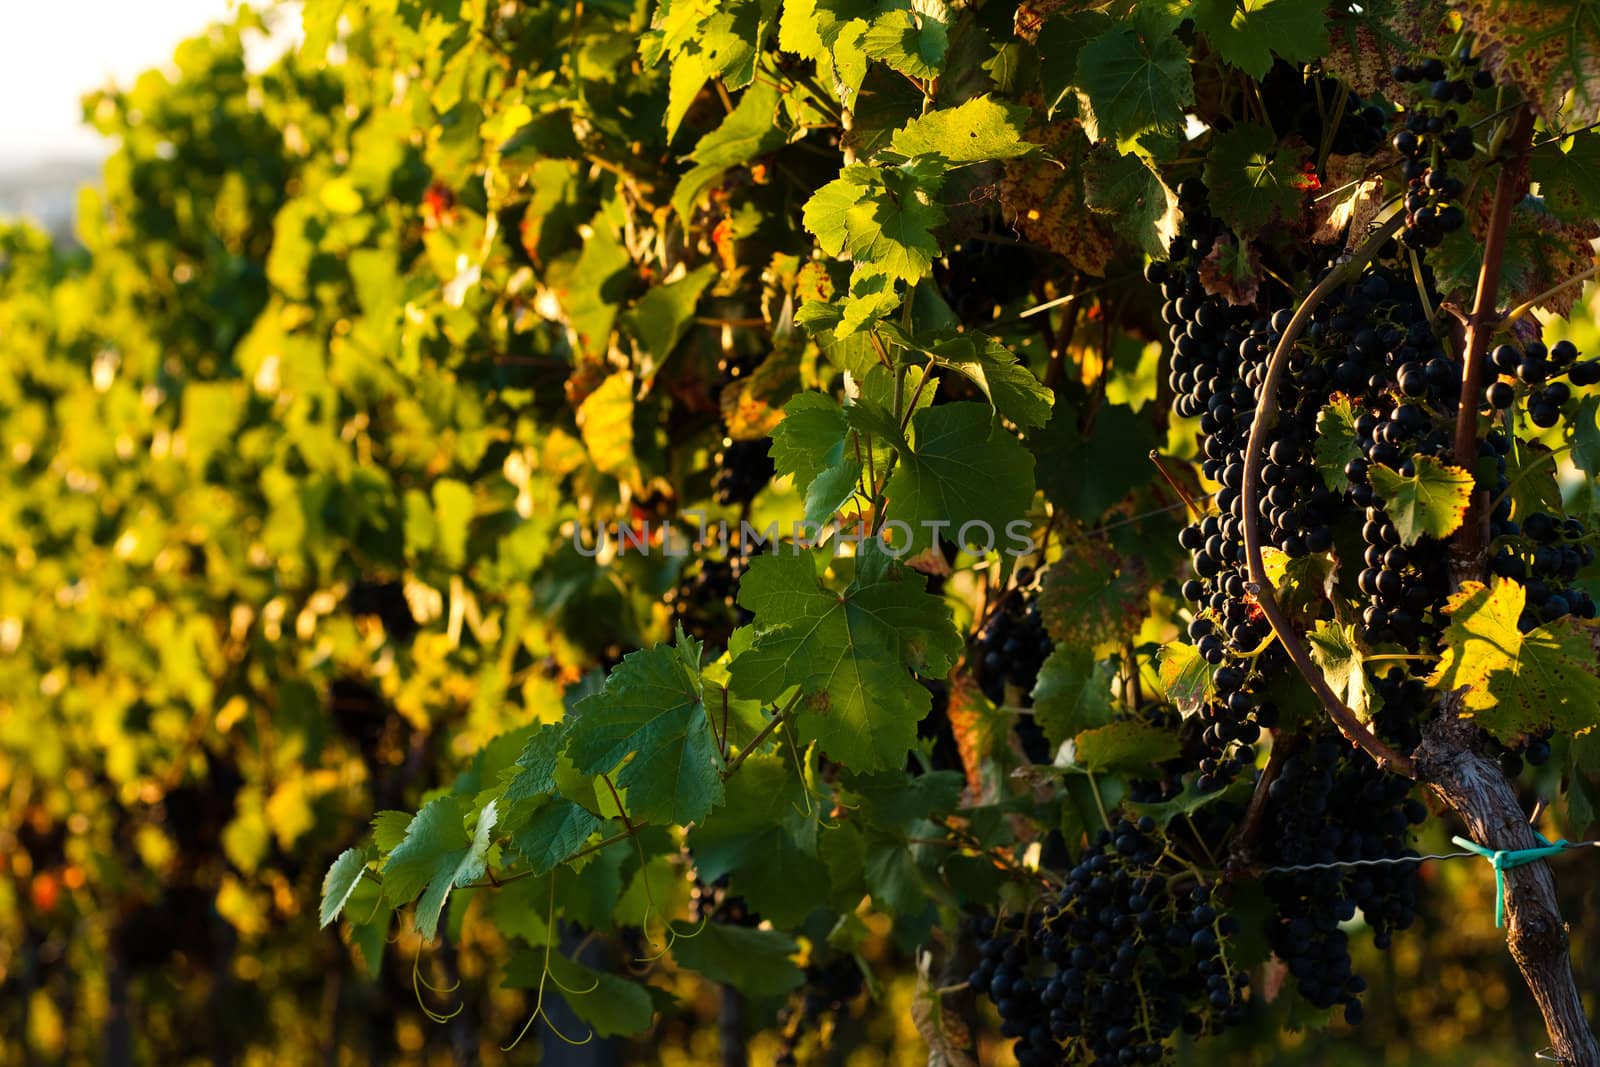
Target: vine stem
[
  {"x": 765, "y": 732},
  {"x": 1250, "y": 828},
  {"x": 1467, "y": 547},
  {"x": 1266, "y": 417}
]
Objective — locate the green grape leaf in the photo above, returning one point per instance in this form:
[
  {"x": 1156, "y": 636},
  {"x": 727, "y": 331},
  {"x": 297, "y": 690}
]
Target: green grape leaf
[
  {"x": 1125, "y": 745},
  {"x": 436, "y": 856},
  {"x": 964, "y": 469},
  {"x": 801, "y": 27},
  {"x": 752, "y": 129},
  {"x": 389, "y": 829},
  {"x": 1185, "y": 676},
  {"x": 811, "y": 438},
  {"x": 555, "y": 833},
  {"x": 662, "y": 316},
  {"x": 882, "y": 218},
  {"x": 596, "y": 285},
  {"x": 1011, "y": 388},
  {"x": 1254, "y": 178},
  {"x": 1336, "y": 443},
  {"x": 536, "y": 766},
  {"x": 912, "y": 41},
  {"x": 1335, "y": 649},
  {"x": 892, "y": 877},
  {"x": 371, "y": 915},
  {"x": 1088, "y": 475},
  {"x": 756, "y": 962},
  {"x": 847, "y": 652},
  {"x": 980, "y": 129},
  {"x": 1569, "y": 179},
  {"x": 1247, "y": 33},
  {"x": 548, "y": 135},
  {"x": 1060, "y": 40},
  {"x": 1140, "y": 207},
  {"x": 764, "y": 840},
  {"x": 891, "y": 802},
  {"x": 651, "y": 713},
  {"x": 1135, "y": 79},
  {"x": 1586, "y": 435},
  {"x": 1073, "y": 693},
  {"x": 1532, "y": 474},
  {"x": 1516, "y": 683},
  {"x": 340, "y": 881},
  {"x": 1429, "y": 503},
  {"x": 700, "y": 41}
]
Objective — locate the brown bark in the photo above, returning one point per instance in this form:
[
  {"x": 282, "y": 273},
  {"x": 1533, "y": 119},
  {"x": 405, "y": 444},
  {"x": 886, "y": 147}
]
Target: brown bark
[
  {"x": 1473, "y": 786},
  {"x": 1469, "y": 544}
]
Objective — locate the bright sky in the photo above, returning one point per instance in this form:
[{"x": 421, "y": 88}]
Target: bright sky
[{"x": 53, "y": 51}]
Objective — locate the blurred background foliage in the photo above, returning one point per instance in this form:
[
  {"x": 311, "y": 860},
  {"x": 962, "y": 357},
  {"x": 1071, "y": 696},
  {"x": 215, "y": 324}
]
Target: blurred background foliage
[{"x": 284, "y": 478}]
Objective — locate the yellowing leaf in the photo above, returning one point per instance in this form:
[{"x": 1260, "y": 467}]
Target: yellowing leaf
[
  {"x": 1185, "y": 676},
  {"x": 1516, "y": 683},
  {"x": 605, "y": 419},
  {"x": 1429, "y": 503}
]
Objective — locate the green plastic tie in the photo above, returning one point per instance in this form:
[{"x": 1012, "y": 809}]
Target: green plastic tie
[{"x": 1505, "y": 859}]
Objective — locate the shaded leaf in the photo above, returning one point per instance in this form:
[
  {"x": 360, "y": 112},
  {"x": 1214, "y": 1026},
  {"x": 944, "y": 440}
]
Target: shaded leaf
[{"x": 755, "y": 962}]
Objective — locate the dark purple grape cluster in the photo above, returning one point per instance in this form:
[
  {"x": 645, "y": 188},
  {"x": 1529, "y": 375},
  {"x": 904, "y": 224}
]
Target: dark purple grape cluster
[
  {"x": 711, "y": 902},
  {"x": 829, "y": 988},
  {"x": 1329, "y": 805},
  {"x": 703, "y": 602},
  {"x": 1013, "y": 643},
  {"x": 1431, "y": 139},
  {"x": 1537, "y": 370},
  {"x": 1131, "y": 952},
  {"x": 744, "y": 468},
  {"x": 1010, "y": 650},
  {"x": 1544, "y": 553},
  {"x": 1371, "y": 342},
  {"x": 386, "y": 601},
  {"x": 982, "y": 276},
  {"x": 1298, "y": 105}
]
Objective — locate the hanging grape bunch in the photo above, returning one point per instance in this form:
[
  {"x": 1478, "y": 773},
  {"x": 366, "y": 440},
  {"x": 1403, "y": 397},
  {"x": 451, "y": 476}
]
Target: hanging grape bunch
[
  {"x": 743, "y": 469},
  {"x": 1433, "y": 137},
  {"x": 830, "y": 987},
  {"x": 1010, "y": 650},
  {"x": 704, "y": 600},
  {"x": 1326, "y": 807},
  {"x": 1013, "y": 643},
  {"x": 1129, "y": 953}
]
